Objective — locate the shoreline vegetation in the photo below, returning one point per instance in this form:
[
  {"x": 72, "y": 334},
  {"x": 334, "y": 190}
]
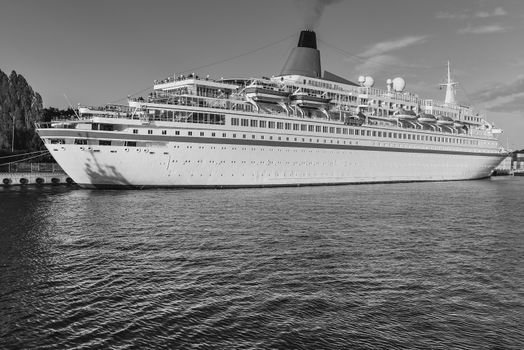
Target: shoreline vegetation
[{"x": 20, "y": 108}]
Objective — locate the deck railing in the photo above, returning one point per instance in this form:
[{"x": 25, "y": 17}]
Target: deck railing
[{"x": 31, "y": 168}]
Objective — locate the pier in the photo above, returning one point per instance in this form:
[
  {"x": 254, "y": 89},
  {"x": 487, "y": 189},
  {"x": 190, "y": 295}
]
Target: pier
[{"x": 25, "y": 174}]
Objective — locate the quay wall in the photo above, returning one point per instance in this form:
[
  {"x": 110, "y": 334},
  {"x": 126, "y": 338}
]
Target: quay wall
[{"x": 34, "y": 178}]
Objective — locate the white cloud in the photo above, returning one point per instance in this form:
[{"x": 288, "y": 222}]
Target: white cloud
[
  {"x": 499, "y": 11},
  {"x": 448, "y": 15},
  {"x": 392, "y": 45},
  {"x": 376, "y": 64},
  {"x": 503, "y": 97},
  {"x": 378, "y": 57},
  {"x": 468, "y": 14},
  {"x": 505, "y": 89},
  {"x": 486, "y": 29}
]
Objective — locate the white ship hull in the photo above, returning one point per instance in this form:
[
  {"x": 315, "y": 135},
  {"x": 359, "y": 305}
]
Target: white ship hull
[{"x": 223, "y": 165}]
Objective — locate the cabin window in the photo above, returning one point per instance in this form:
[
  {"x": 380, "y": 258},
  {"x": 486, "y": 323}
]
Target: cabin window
[
  {"x": 311, "y": 128},
  {"x": 332, "y": 129},
  {"x": 325, "y": 129},
  {"x": 201, "y": 133},
  {"x": 303, "y": 127},
  {"x": 104, "y": 143},
  {"x": 234, "y": 121},
  {"x": 224, "y": 134},
  {"x": 213, "y": 134},
  {"x": 130, "y": 143},
  {"x": 177, "y": 132},
  {"x": 57, "y": 141},
  {"x": 296, "y": 127},
  {"x": 271, "y": 125},
  {"x": 245, "y": 122},
  {"x": 263, "y": 123},
  {"x": 254, "y": 123},
  {"x": 135, "y": 131},
  {"x": 345, "y": 131},
  {"x": 318, "y": 128},
  {"x": 189, "y": 133},
  {"x": 288, "y": 126},
  {"x": 150, "y": 132},
  {"x": 338, "y": 130},
  {"x": 80, "y": 141},
  {"x": 280, "y": 125},
  {"x": 106, "y": 127},
  {"x": 164, "y": 132},
  {"x": 234, "y": 135},
  {"x": 368, "y": 133}
]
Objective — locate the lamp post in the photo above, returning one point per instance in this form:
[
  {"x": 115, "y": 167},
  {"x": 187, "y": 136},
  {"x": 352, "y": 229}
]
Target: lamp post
[{"x": 13, "y": 138}]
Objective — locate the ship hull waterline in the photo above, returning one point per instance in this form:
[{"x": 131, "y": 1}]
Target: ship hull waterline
[{"x": 200, "y": 165}]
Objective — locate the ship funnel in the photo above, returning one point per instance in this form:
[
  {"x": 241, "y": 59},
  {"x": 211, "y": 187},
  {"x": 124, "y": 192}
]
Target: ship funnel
[{"x": 305, "y": 58}]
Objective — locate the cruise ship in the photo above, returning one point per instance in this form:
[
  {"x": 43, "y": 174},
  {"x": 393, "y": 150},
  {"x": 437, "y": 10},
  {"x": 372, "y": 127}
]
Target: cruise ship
[{"x": 301, "y": 127}]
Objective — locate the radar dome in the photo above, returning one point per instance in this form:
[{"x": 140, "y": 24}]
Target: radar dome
[
  {"x": 361, "y": 79},
  {"x": 389, "y": 81},
  {"x": 369, "y": 81},
  {"x": 399, "y": 84}
]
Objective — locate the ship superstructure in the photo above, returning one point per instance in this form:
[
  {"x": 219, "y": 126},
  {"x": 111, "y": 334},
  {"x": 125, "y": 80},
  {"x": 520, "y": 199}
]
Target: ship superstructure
[{"x": 297, "y": 128}]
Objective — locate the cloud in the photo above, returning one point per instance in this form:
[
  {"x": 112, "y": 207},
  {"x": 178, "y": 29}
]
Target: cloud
[
  {"x": 503, "y": 97},
  {"x": 499, "y": 11},
  {"x": 468, "y": 14},
  {"x": 516, "y": 62},
  {"x": 376, "y": 64},
  {"x": 513, "y": 105},
  {"x": 378, "y": 57},
  {"x": 487, "y": 29},
  {"x": 392, "y": 45},
  {"x": 491, "y": 93}
]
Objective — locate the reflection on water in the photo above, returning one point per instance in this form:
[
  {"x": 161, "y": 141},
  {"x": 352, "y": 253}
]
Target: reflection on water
[{"x": 423, "y": 265}]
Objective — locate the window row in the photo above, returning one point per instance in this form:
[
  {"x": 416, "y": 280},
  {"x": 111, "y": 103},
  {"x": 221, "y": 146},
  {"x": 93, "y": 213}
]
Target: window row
[{"x": 349, "y": 131}]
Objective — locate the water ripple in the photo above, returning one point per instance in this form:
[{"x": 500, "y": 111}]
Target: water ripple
[{"x": 424, "y": 266}]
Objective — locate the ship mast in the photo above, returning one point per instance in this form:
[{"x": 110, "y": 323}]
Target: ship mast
[{"x": 450, "y": 89}]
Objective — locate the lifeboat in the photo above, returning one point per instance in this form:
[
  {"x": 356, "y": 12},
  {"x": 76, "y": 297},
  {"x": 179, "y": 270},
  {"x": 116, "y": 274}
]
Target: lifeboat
[
  {"x": 458, "y": 124},
  {"x": 405, "y": 114},
  {"x": 355, "y": 119},
  {"x": 427, "y": 118},
  {"x": 443, "y": 120},
  {"x": 264, "y": 93},
  {"x": 303, "y": 99}
]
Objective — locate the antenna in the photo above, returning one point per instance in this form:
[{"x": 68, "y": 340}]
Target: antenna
[
  {"x": 71, "y": 106},
  {"x": 450, "y": 88}
]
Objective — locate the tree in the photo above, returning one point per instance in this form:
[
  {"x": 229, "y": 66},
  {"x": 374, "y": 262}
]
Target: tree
[{"x": 21, "y": 106}]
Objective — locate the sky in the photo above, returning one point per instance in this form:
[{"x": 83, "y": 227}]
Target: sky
[{"x": 100, "y": 51}]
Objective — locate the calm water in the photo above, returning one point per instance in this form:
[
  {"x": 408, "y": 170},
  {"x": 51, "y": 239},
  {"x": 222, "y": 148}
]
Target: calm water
[{"x": 425, "y": 265}]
